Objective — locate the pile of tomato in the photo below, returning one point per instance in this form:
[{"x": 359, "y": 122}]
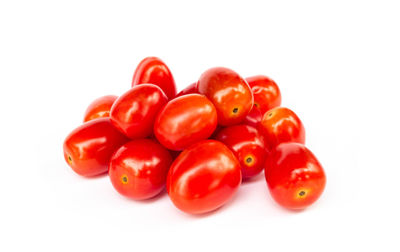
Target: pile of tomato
[{"x": 199, "y": 144}]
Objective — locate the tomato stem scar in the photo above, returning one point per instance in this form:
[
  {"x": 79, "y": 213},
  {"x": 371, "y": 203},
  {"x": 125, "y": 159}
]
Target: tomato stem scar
[
  {"x": 302, "y": 193},
  {"x": 235, "y": 110},
  {"x": 124, "y": 179},
  {"x": 249, "y": 159},
  {"x": 69, "y": 159}
]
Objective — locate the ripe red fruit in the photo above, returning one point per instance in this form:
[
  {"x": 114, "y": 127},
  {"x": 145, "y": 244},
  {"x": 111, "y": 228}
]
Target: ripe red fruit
[
  {"x": 153, "y": 70},
  {"x": 99, "y": 108},
  {"x": 294, "y": 176},
  {"x": 265, "y": 91},
  {"x": 230, "y": 94},
  {"x": 88, "y": 148},
  {"x": 254, "y": 117},
  {"x": 281, "y": 125},
  {"x": 184, "y": 121},
  {"x": 191, "y": 89},
  {"x": 134, "y": 112},
  {"x": 203, "y": 177},
  {"x": 138, "y": 169},
  {"x": 247, "y": 145}
]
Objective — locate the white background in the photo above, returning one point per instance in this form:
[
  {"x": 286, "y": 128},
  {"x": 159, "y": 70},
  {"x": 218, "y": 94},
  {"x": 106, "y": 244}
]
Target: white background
[{"x": 337, "y": 64}]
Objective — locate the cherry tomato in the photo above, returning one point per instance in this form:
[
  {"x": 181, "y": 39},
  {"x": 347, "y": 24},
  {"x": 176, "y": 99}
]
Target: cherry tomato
[
  {"x": 254, "y": 117},
  {"x": 184, "y": 121},
  {"x": 153, "y": 70},
  {"x": 247, "y": 145},
  {"x": 294, "y": 176},
  {"x": 99, "y": 108},
  {"x": 280, "y": 125},
  {"x": 229, "y": 92},
  {"x": 265, "y": 91},
  {"x": 138, "y": 169},
  {"x": 88, "y": 148},
  {"x": 191, "y": 89},
  {"x": 203, "y": 177},
  {"x": 134, "y": 112}
]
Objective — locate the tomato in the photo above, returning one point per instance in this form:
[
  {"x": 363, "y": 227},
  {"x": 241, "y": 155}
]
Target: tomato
[
  {"x": 229, "y": 92},
  {"x": 134, "y": 112},
  {"x": 280, "y": 125},
  {"x": 99, "y": 108},
  {"x": 265, "y": 91},
  {"x": 191, "y": 89},
  {"x": 203, "y": 177},
  {"x": 138, "y": 169},
  {"x": 247, "y": 145},
  {"x": 254, "y": 117},
  {"x": 294, "y": 176},
  {"x": 88, "y": 148},
  {"x": 153, "y": 70},
  {"x": 184, "y": 121}
]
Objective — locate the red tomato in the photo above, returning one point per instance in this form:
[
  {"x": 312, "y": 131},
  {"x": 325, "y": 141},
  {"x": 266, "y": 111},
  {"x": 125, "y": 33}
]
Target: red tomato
[
  {"x": 265, "y": 91},
  {"x": 99, "y": 108},
  {"x": 138, "y": 169},
  {"x": 294, "y": 176},
  {"x": 184, "y": 121},
  {"x": 254, "y": 117},
  {"x": 203, "y": 177},
  {"x": 153, "y": 70},
  {"x": 281, "y": 125},
  {"x": 134, "y": 112},
  {"x": 247, "y": 145},
  {"x": 191, "y": 89},
  {"x": 88, "y": 148},
  {"x": 229, "y": 92}
]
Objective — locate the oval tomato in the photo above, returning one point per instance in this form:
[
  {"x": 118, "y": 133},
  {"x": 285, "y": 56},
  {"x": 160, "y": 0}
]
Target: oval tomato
[
  {"x": 138, "y": 169},
  {"x": 254, "y": 117},
  {"x": 203, "y": 177},
  {"x": 99, "y": 108},
  {"x": 265, "y": 91},
  {"x": 294, "y": 176},
  {"x": 281, "y": 125},
  {"x": 88, "y": 148},
  {"x": 191, "y": 89},
  {"x": 184, "y": 121},
  {"x": 230, "y": 94},
  {"x": 134, "y": 112},
  {"x": 247, "y": 145},
  {"x": 153, "y": 70}
]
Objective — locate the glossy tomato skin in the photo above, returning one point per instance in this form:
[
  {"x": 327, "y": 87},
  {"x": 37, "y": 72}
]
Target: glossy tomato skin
[
  {"x": 265, "y": 91},
  {"x": 294, "y": 176},
  {"x": 184, "y": 121},
  {"x": 281, "y": 125},
  {"x": 254, "y": 117},
  {"x": 88, "y": 148},
  {"x": 139, "y": 168},
  {"x": 191, "y": 89},
  {"x": 99, "y": 108},
  {"x": 203, "y": 177},
  {"x": 153, "y": 70},
  {"x": 230, "y": 94},
  {"x": 247, "y": 145},
  {"x": 134, "y": 112}
]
